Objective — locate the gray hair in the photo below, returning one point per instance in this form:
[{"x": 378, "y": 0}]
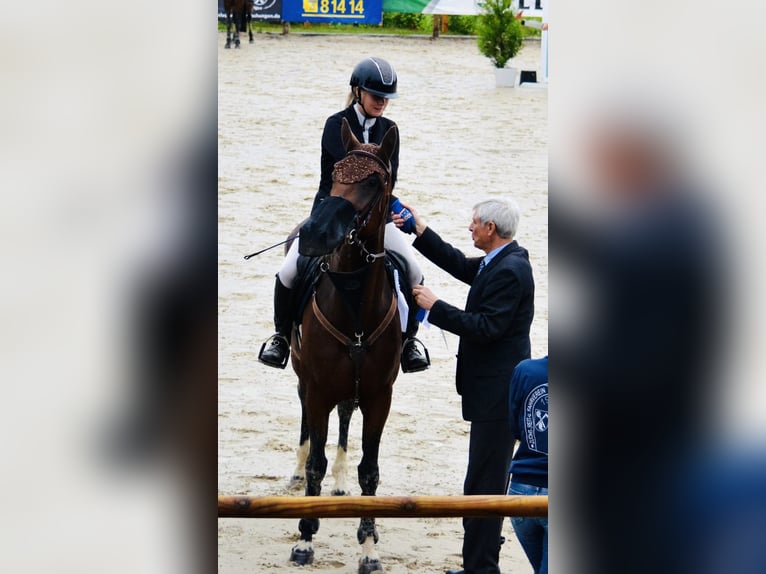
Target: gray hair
[{"x": 504, "y": 214}]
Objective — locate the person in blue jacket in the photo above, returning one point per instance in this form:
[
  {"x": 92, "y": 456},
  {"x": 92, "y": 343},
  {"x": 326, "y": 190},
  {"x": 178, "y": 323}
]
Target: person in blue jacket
[{"x": 528, "y": 409}]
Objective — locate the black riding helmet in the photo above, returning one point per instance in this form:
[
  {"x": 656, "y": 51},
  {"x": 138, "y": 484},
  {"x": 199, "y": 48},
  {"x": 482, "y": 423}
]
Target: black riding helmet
[{"x": 376, "y": 76}]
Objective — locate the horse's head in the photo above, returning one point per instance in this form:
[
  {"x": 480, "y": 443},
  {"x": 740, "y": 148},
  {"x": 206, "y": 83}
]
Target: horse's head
[
  {"x": 357, "y": 207},
  {"x": 364, "y": 178}
]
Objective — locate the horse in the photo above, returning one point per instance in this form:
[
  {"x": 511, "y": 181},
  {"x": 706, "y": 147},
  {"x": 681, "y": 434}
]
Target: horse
[
  {"x": 241, "y": 13},
  {"x": 348, "y": 347}
]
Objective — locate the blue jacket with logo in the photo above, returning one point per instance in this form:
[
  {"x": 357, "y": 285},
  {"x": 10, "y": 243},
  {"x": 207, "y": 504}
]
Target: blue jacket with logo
[{"x": 528, "y": 409}]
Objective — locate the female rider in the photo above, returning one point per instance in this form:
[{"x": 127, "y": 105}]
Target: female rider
[{"x": 373, "y": 83}]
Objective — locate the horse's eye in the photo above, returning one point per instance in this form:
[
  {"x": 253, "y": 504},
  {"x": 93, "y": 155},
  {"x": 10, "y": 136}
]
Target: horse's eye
[{"x": 372, "y": 183}]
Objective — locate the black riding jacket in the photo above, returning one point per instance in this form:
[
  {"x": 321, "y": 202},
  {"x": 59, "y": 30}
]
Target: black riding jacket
[{"x": 333, "y": 150}]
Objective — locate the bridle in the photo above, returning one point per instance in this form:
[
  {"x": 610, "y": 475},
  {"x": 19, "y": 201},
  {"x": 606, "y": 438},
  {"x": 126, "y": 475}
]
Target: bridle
[{"x": 362, "y": 218}]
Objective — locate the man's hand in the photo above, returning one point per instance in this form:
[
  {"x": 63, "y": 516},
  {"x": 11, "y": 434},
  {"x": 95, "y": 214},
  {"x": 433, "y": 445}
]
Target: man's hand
[
  {"x": 424, "y": 297},
  {"x": 420, "y": 223},
  {"x": 402, "y": 217}
]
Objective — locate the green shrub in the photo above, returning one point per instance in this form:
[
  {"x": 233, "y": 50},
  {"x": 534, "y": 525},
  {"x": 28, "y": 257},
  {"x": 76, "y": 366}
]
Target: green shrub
[
  {"x": 406, "y": 21},
  {"x": 500, "y": 33},
  {"x": 464, "y": 25}
]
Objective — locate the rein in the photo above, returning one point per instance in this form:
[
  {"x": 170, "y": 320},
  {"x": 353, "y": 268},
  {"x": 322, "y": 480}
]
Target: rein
[{"x": 352, "y": 239}]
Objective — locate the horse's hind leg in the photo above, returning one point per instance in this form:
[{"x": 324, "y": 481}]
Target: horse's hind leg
[
  {"x": 374, "y": 420},
  {"x": 228, "y": 31},
  {"x": 340, "y": 467},
  {"x": 250, "y": 29},
  {"x": 299, "y": 474},
  {"x": 316, "y": 468}
]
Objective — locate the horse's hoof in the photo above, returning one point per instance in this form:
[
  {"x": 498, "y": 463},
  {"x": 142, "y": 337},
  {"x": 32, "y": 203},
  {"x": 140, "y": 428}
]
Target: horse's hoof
[
  {"x": 367, "y": 566},
  {"x": 227, "y": 46},
  {"x": 296, "y": 482},
  {"x": 301, "y": 556},
  {"x": 339, "y": 492}
]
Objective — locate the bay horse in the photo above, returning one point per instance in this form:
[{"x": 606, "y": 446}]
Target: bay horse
[
  {"x": 240, "y": 12},
  {"x": 349, "y": 343}
]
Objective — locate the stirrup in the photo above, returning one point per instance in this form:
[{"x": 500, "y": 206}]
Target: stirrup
[
  {"x": 272, "y": 340},
  {"x": 424, "y": 353}
]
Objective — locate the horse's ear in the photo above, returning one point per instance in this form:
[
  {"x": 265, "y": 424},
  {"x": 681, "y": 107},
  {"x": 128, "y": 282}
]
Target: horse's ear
[
  {"x": 388, "y": 145},
  {"x": 347, "y": 136}
]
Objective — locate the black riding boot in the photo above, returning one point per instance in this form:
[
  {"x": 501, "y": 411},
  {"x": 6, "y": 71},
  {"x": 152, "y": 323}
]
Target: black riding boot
[
  {"x": 413, "y": 360},
  {"x": 276, "y": 350}
]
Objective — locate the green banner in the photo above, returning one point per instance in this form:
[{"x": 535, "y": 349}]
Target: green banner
[
  {"x": 405, "y": 6},
  {"x": 450, "y": 7}
]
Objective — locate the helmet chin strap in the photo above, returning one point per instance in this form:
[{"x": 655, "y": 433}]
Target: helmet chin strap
[{"x": 358, "y": 97}]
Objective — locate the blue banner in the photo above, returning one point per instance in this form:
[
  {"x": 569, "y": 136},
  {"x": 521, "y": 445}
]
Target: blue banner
[{"x": 345, "y": 11}]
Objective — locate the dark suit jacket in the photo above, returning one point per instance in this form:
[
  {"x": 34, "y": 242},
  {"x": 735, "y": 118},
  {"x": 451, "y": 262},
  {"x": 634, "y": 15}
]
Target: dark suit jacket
[
  {"x": 493, "y": 329},
  {"x": 333, "y": 150}
]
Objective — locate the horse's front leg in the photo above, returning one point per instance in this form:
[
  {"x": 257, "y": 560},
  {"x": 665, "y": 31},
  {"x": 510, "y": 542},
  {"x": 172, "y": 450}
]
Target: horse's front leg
[
  {"x": 299, "y": 474},
  {"x": 228, "y": 31},
  {"x": 340, "y": 466},
  {"x": 250, "y": 29},
  {"x": 316, "y": 468},
  {"x": 236, "y": 31},
  {"x": 375, "y": 415}
]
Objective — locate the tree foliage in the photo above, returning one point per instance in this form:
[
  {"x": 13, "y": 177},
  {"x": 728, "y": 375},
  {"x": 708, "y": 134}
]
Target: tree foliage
[
  {"x": 402, "y": 20},
  {"x": 463, "y": 25},
  {"x": 499, "y": 32}
]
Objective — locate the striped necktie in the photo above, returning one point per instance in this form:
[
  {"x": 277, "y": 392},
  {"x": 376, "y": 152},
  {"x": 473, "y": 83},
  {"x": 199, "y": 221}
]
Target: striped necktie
[{"x": 482, "y": 265}]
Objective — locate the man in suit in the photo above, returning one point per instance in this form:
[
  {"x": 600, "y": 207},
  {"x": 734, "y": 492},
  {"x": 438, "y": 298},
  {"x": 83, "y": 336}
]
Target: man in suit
[{"x": 494, "y": 338}]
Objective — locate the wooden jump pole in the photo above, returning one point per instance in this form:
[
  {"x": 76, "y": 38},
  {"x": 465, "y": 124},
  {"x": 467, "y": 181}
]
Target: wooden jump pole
[{"x": 381, "y": 506}]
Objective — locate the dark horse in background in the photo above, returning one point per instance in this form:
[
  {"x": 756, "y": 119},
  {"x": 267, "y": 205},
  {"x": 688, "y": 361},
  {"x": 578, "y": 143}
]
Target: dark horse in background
[
  {"x": 347, "y": 349},
  {"x": 240, "y": 13}
]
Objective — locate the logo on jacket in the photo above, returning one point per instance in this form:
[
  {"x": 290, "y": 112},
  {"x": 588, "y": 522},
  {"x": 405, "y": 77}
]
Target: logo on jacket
[
  {"x": 536, "y": 419},
  {"x": 542, "y": 420}
]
